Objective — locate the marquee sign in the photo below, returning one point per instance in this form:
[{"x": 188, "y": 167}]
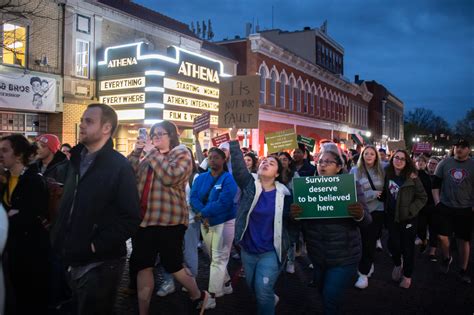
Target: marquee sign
[{"x": 146, "y": 86}]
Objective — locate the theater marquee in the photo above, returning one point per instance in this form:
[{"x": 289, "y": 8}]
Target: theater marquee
[{"x": 145, "y": 87}]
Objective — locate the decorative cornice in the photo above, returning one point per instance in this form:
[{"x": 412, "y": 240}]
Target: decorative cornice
[
  {"x": 396, "y": 101},
  {"x": 260, "y": 44}
]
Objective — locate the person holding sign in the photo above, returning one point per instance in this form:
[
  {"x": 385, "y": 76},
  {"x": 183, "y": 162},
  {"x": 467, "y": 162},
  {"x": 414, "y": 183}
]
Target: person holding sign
[
  {"x": 162, "y": 175},
  {"x": 334, "y": 245},
  {"x": 404, "y": 196},
  {"x": 212, "y": 198},
  {"x": 370, "y": 175},
  {"x": 261, "y": 225}
]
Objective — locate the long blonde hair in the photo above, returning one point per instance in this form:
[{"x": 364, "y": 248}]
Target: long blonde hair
[{"x": 361, "y": 166}]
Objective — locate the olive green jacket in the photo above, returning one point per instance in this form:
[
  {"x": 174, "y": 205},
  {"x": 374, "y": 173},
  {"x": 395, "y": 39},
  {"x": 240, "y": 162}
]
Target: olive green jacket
[{"x": 410, "y": 200}]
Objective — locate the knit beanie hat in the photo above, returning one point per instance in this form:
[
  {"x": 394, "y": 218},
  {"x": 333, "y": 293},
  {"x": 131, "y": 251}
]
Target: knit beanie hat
[{"x": 51, "y": 141}]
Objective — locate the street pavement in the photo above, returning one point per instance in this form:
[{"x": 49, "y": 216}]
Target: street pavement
[{"x": 432, "y": 292}]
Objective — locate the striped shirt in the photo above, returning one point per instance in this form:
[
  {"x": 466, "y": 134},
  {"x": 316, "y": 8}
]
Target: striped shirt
[{"x": 167, "y": 198}]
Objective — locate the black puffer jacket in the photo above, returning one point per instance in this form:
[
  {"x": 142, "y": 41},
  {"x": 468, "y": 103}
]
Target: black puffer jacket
[
  {"x": 335, "y": 242},
  {"x": 101, "y": 207},
  {"x": 56, "y": 169}
]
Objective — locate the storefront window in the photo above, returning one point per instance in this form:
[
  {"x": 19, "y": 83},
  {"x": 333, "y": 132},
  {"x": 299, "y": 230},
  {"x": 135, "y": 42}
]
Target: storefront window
[
  {"x": 82, "y": 58},
  {"x": 14, "y": 45}
]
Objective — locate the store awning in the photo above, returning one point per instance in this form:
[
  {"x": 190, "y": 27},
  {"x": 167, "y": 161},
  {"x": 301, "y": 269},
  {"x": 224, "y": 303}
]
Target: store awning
[{"x": 357, "y": 139}]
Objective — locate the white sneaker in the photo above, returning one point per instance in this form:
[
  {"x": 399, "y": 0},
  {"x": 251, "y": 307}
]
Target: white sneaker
[
  {"x": 211, "y": 303},
  {"x": 227, "y": 290},
  {"x": 290, "y": 267},
  {"x": 362, "y": 282},
  {"x": 311, "y": 266},
  {"x": 371, "y": 271},
  {"x": 397, "y": 273},
  {"x": 378, "y": 245},
  {"x": 166, "y": 288},
  {"x": 277, "y": 299}
]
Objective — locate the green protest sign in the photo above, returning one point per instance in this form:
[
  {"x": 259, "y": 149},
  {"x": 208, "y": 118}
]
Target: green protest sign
[
  {"x": 308, "y": 142},
  {"x": 324, "y": 197},
  {"x": 281, "y": 140},
  {"x": 187, "y": 142}
]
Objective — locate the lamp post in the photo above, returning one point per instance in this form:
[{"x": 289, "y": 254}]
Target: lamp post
[{"x": 384, "y": 132}]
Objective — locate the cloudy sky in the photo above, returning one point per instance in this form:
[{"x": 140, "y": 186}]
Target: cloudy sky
[{"x": 421, "y": 50}]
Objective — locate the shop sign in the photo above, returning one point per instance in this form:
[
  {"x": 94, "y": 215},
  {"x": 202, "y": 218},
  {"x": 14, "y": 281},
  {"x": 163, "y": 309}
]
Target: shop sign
[
  {"x": 190, "y": 88},
  {"x": 122, "y": 99},
  {"x": 185, "y": 116},
  {"x": 160, "y": 81},
  {"x": 120, "y": 84},
  {"x": 324, "y": 197},
  {"x": 170, "y": 99},
  {"x": 28, "y": 92}
]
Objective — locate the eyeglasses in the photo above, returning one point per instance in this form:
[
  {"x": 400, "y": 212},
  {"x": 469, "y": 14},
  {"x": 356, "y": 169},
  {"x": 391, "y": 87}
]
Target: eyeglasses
[
  {"x": 433, "y": 163},
  {"x": 399, "y": 159},
  {"x": 159, "y": 134},
  {"x": 322, "y": 162}
]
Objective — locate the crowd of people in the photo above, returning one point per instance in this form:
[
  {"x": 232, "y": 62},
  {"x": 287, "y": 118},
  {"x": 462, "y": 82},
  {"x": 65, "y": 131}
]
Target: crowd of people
[{"x": 68, "y": 212}]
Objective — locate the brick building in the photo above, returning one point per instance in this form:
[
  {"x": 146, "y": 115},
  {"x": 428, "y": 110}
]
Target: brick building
[
  {"x": 385, "y": 114},
  {"x": 91, "y": 27},
  {"x": 302, "y": 85},
  {"x": 31, "y": 64}
]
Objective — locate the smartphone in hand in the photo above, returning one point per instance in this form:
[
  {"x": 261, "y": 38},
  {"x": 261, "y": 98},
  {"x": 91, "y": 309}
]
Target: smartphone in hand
[{"x": 142, "y": 134}]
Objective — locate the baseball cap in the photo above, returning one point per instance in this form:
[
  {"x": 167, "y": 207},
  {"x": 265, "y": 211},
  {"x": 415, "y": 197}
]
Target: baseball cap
[
  {"x": 462, "y": 143},
  {"x": 51, "y": 141}
]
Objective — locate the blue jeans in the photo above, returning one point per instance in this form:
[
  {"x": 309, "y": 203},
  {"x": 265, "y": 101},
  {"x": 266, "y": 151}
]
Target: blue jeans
[
  {"x": 261, "y": 274},
  {"x": 191, "y": 240},
  {"x": 332, "y": 283}
]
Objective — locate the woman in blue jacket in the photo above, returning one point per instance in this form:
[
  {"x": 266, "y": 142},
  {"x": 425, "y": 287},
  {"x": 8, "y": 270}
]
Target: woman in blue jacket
[{"x": 212, "y": 198}]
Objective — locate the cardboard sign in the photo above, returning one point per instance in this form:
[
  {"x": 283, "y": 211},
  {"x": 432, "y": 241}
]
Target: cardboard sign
[
  {"x": 324, "y": 197},
  {"x": 216, "y": 141},
  {"x": 202, "y": 122},
  {"x": 422, "y": 147},
  {"x": 395, "y": 145},
  {"x": 187, "y": 142},
  {"x": 281, "y": 140},
  {"x": 239, "y": 102},
  {"x": 308, "y": 142}
]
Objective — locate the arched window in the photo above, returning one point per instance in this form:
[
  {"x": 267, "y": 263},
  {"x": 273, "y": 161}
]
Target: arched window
[
  {"x": 263, "y": 80},
  {"x": 291, "y": 94},
  {"x": 273, "y": 80},
  {"x": 319, "y": 98},
  {"x": 282, "y": 90},
  {"x": 307, "y": 93},
  {"x": 324, "y": 104},
  {"x": 298, "y": 97},
  {"x": 312, "y": 95}
]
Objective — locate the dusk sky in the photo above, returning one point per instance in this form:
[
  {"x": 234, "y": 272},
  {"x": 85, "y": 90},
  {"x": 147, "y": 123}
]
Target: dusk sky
[{"x": 421, "y": 50}]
